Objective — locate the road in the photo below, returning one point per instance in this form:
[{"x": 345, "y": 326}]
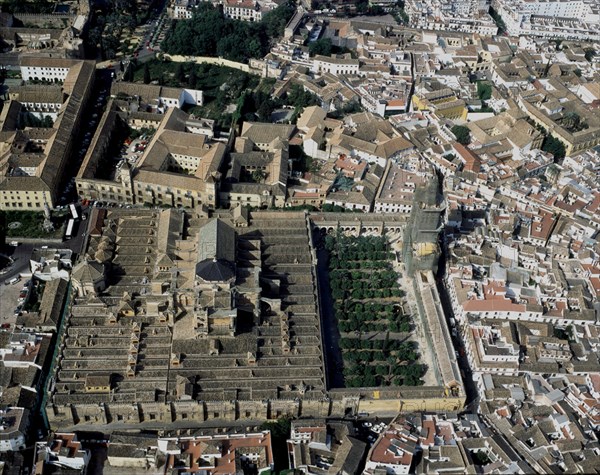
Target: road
[
  {"x": 20, "y": 256},
  {"x": 472, "y": 394},
  {"x": 22, "y": 253},
  {"x": 89, "y": 123}
]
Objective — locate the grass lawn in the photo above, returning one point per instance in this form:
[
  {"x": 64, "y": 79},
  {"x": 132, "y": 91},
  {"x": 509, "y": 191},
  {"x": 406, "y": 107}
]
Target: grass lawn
[{"x": 31, "y": 224}]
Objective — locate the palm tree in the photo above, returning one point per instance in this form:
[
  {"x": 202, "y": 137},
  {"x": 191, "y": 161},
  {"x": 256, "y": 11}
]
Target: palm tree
[{"x": 258, "y": 175}]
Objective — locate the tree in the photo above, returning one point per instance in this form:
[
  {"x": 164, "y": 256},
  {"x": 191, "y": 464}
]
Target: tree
[
  {"x": 402, "y": 17},
  {"x": 264, "y": 111},
  {"x": 147, "y": 77},
  {"x": 320, "y": 47},
  {"x": 258, "y": 175},
  {"x": 300, "y": 98},
  {"x": 589, "y": 54},
  {"x": 274, "y": 22},
  {"x": 481, "y": 458},
  {"x": 180, "y": 73},
  {"x": 210, "y": 33},
  {"x": 47, "y": 122},
  {"x": 554, "y": 146},
  {"x": 192, "y": 78},
  {"x": 484, "y": 90},
  {"x": 462, "y": 134},
  {"x": 128, "y": 74},
  {"x": 280, "y": 432}
]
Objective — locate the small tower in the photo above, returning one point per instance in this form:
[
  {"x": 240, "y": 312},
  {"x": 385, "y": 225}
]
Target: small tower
[{"x": 124, "y": 176}]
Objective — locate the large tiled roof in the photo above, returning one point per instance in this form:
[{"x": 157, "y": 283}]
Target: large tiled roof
[{"x": 261, "y": 133}]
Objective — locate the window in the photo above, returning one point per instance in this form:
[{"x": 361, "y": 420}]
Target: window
[{"x": 216, "y": 415}]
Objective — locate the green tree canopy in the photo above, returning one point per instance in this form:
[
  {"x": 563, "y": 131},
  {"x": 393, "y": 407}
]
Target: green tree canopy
[
  {"x": 147, "y": 77},
  {"x": 484, "y": 90},
  {"x": 462, "y": 134},
  {"x": 321, "y": 47},
  {"x": 210, "y": 33},
  {"x": 554, "y": 146}
]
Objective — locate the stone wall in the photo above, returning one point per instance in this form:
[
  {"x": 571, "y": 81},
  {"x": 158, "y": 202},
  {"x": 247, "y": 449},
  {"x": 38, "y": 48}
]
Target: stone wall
[
  {"x": 380, "y": 402},
  {"x": 41, "y": 20},
  {"x": 209, "y": 60}
]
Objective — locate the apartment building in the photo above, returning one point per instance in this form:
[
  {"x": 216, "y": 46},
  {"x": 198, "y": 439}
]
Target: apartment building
[
  {"x": 244, "y": 10},
  {"x": 13, "y": 428},
  {"x": 571, "y": 19},
  {"x": 258, "y": 169},
  {"x": 335, "y": 65},
  {"x": 33, "y": 161},
  {"x": 178, "y": 168},
  {"x": 397, "y": 188},
  {"x": 44, "y": 69},
  {"x": 182, "y": 9},
  {"x": 442, "y": 15},
  {"x": 156, "y": 97}
]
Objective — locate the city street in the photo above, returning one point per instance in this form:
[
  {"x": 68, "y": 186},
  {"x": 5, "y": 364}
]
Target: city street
[
  {"x": 21, "y": 253},
  {"x": 472, "y": 400}
]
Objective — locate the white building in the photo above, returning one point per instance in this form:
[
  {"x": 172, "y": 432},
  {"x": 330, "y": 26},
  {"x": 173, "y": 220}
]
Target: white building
[
  {"x": 589, "y": 92},
  {"x": 393, "y": 451},
  {"x": 335, "y": 66},
  {"x": 44, "y": 69},
  {"x": 571, "y": 19},
  {"x": 13, "y": 424},
  {"x": 445, "y": 15},
  {"x": 245, "y": 10},
  {"x": 396, "y": 191},
  {"x": 171, "y": 97},
  {"x": 183, "y": 9},
  {"x": 64, "y": 452}
]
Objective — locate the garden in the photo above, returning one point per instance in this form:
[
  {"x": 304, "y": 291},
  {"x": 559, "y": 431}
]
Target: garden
[
  {"x": 30, "y": 224},
  {"x": 374, "y": 328}
]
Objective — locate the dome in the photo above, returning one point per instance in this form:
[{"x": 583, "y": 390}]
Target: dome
[{"x": 215, "y": 270}]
